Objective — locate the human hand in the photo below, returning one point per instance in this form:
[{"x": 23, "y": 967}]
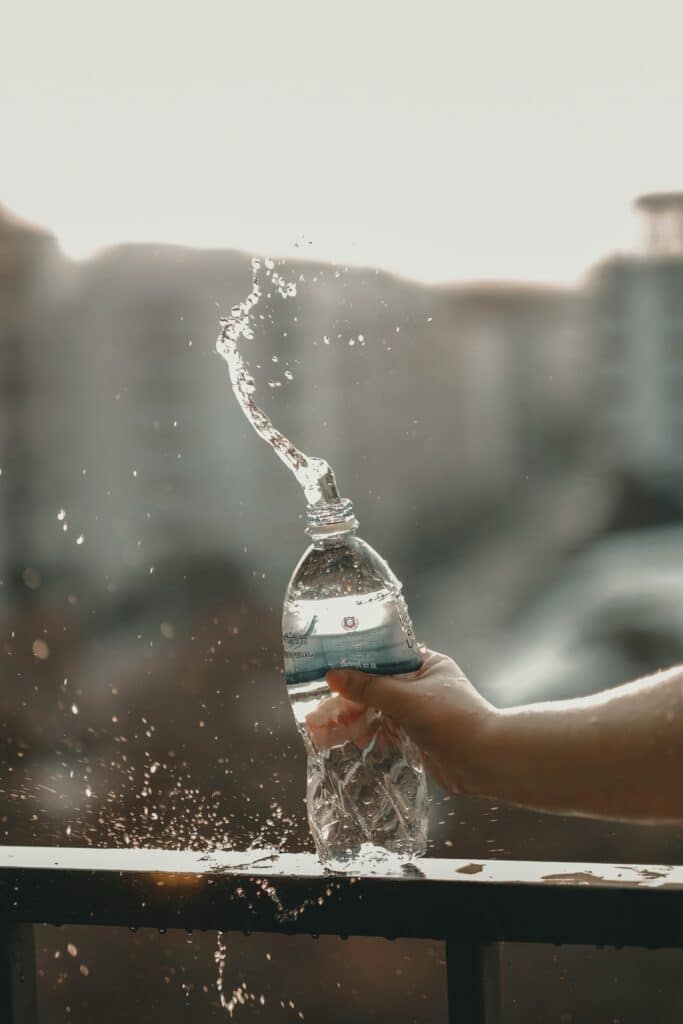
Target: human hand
[{"x": 438, "y": 708}]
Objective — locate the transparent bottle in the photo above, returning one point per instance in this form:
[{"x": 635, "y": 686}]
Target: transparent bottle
[{"x": 366, "y": 795}]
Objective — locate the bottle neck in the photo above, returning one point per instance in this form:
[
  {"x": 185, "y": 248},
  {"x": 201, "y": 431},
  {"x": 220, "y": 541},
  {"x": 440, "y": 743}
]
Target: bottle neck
[{"x": 327, "y": 522}]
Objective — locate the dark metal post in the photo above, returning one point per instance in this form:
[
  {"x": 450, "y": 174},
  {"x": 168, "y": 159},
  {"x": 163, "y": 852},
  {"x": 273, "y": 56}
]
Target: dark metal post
[
  {"x": 473, "y": 971},
  {"x": 18, "y": 1003}
]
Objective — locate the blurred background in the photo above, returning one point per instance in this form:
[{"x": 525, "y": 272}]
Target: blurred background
[{"x": 485, "y": 231}]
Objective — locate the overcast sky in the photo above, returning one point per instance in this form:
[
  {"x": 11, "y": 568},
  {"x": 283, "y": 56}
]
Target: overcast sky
[{"x": 438, "y": 139}]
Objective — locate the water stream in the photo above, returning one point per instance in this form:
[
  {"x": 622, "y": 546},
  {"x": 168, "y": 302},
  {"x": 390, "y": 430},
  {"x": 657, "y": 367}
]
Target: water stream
[{"x": 313, "y": 474}]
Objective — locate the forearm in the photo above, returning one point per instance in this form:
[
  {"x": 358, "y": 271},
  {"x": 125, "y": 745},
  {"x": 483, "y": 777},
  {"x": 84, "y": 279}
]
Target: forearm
[{"x": 618, "y": 754}]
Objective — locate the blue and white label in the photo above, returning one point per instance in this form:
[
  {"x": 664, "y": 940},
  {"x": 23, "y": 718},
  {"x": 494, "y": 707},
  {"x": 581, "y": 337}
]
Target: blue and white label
[{"x": 387, "y": 649}]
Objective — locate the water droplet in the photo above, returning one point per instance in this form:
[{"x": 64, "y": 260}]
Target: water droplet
[
  {"x": 72, "y": 950},
  {"x": 40, "y": 650}
]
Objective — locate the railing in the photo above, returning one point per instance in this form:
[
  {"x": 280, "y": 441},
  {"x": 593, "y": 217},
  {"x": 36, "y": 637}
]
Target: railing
[{"x": 472, "y": 906}]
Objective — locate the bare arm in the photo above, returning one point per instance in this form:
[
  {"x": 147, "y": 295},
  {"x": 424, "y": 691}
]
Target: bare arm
[{"x": 617, "y": 754}]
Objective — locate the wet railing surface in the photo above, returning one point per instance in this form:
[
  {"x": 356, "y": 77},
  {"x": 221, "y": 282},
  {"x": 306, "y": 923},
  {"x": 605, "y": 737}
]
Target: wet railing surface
[{"x": 471, "y": 905}]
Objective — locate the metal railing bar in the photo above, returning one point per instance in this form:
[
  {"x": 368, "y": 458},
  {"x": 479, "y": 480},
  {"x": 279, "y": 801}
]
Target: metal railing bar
[
  {"x": 471, "y": 903},
  {"x": 269, "y": 862}
]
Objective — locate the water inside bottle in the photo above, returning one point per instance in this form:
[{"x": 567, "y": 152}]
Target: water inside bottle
[{"x": 366, "y": 792}]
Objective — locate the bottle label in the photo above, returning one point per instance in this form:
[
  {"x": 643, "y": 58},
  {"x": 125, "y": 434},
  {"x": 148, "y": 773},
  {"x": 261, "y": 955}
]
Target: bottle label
[{"x": 385, "y": 650}]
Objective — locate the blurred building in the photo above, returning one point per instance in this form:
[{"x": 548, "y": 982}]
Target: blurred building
[
  {"x": 521, "y": 378},
  {"x": 157, "y": 483},
  {"x": 146, "y": 454},
  {"x": 662, "y": 223},
  {"x": 442, "y": 409},
  {"x": 637, "y": 325},
  {"x": 38, "y": 392}
]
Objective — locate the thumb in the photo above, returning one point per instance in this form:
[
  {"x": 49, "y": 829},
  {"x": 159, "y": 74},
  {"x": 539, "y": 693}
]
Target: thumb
[{"x": 390, "y": 694}]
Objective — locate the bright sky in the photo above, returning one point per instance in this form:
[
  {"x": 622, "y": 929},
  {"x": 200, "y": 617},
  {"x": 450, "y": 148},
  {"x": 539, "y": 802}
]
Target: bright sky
[{"x": 438, "y": 139}]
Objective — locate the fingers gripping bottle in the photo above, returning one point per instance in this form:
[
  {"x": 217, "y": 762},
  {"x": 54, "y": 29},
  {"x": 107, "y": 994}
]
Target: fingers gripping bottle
[{"x": 366, "y": 794}]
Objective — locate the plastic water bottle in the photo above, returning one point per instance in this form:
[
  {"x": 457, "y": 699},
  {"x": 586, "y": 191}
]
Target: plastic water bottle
[{"x": 367, "y": 796}]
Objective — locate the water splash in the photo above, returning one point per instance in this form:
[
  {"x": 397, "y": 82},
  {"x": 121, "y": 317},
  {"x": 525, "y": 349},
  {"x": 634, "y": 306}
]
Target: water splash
[
  {"x": 313, "y": 474},
  {"x": 240, "y": 996}
]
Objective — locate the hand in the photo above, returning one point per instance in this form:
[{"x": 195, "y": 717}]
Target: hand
[{"x": 438, "y": 708}]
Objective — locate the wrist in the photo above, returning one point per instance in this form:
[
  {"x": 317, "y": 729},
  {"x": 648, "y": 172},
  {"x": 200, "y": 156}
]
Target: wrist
[
  {"x": 500, "y": 766},
  {"x": 487, "y": 761}
]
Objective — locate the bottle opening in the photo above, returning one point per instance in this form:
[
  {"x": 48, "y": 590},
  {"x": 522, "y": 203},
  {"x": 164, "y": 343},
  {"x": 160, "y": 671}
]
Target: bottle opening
[{"x": 330, "y": 519}]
